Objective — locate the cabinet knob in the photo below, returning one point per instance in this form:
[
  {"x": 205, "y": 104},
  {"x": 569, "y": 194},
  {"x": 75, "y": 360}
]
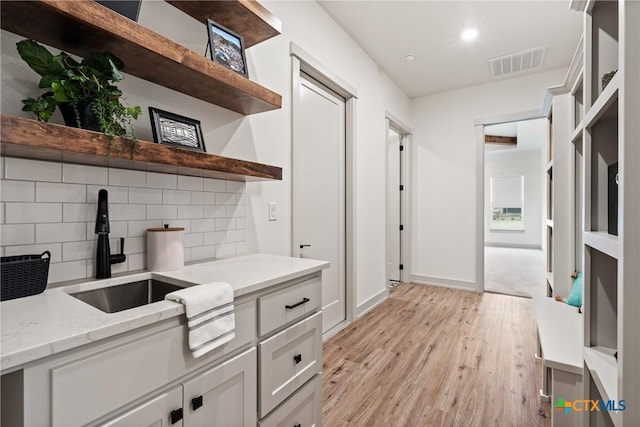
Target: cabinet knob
[
  {"x": 297, "y": 358},
  {"x": 297, "y": 425},
  {"x": 176, "y": 416},
  {"x": 196, "y": 402}
]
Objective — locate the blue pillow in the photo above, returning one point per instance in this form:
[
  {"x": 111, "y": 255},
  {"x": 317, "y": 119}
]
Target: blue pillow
[{"x": 575, "y": 297}]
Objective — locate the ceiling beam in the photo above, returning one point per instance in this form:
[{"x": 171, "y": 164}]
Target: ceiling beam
[{"x": 502, "y": 140}]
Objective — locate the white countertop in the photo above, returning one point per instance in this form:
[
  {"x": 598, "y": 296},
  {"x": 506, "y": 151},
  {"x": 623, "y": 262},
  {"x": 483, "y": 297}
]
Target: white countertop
[
  {"x": 560, "y": 332},
  {"x": 51, "y": 322}
]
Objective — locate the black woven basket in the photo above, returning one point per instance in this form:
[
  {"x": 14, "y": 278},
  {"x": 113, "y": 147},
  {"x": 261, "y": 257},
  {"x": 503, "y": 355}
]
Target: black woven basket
[{"x": 24, "y": 275}]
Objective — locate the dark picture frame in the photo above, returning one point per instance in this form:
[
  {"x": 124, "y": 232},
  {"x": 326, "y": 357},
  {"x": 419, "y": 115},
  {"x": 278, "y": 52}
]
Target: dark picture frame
[
  {"x": 227, "y": 48},
  {"x": 175, "y": 130}
]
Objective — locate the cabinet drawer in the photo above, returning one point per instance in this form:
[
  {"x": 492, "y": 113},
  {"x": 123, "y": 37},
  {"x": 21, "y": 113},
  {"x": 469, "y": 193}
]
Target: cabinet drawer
[
  {"x": 288, "y": 360},
  {"x": 304, "y": 408},
  {"x": 129, "y": 371},
  {"x": 289, "y": 304}
]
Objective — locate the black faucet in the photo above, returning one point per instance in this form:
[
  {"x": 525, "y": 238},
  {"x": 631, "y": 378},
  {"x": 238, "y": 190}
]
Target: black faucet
[{"x": 104, "y": 259}]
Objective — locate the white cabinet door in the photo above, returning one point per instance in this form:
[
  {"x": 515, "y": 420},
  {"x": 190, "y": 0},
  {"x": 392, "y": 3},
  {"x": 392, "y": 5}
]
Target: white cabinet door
[
  {"x": 224, "y": 396},
  {"x": 154, "y": 413}
]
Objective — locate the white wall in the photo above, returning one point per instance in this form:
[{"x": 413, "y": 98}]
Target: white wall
[
  {"x": 445, "y": 170},
  {"x": 266, "y": 137},
  {"x": 516, "y": 163}
]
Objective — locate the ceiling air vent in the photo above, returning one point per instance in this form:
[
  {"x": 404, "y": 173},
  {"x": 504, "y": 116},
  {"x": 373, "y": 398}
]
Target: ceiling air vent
[{"x": 517, "y": 62}]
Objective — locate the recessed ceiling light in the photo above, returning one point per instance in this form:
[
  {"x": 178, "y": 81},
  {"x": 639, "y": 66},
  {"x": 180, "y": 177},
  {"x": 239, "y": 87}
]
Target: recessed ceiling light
[
  {"x": 409, "y": 57},
  {"x": 469, "y": 34}
]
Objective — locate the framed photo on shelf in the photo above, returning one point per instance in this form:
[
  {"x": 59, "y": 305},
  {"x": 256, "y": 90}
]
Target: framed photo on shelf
[
  {"x": 227, "y": 48},
  {"x": 173, "y": 129}
]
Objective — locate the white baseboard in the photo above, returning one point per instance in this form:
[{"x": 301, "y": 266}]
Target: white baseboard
[
  {"x": 447, "y": 283},
  {"x": 512, "y": 245},
  {"x": 372, "y": 302}
]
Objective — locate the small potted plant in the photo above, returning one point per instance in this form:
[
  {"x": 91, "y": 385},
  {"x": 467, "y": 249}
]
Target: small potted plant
[{"x": 84, "y": 91}]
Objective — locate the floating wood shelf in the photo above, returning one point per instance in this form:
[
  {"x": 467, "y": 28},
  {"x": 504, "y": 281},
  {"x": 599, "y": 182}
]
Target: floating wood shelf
[
  {"x": 84, "y": 26},
  {"x": 28, "y": 138},
  {"x": 246, "y": 17}
]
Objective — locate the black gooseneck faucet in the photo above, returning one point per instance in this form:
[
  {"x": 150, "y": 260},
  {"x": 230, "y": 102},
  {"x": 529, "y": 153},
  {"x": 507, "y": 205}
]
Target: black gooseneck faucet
[{"x": 104, "y": 259}]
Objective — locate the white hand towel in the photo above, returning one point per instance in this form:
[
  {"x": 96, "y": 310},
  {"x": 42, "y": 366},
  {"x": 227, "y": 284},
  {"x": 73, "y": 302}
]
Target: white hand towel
[{"x": 210, "y": 316}]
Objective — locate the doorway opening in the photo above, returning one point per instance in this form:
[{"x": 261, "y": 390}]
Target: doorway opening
[
  {"x": 515, "y": 207},
  {"x": 398, "y": 202}
]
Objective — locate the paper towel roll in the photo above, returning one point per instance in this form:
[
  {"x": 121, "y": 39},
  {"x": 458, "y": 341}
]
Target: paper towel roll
[{"x": 165, "y": 251}]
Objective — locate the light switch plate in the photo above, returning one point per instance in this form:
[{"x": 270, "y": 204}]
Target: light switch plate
[{"x": 272, "y": 211}]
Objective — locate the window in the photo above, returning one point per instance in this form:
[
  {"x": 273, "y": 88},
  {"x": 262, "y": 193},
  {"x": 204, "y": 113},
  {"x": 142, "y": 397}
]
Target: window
[{"x": 507, "y": 202}]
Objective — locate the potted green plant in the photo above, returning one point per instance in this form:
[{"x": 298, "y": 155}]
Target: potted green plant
[{"x": 84, "y": 91}]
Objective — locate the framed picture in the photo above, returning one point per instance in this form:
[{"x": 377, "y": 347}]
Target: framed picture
[
  {"x": 227, "y": 48},
  {"x": 179, "y": 131}
]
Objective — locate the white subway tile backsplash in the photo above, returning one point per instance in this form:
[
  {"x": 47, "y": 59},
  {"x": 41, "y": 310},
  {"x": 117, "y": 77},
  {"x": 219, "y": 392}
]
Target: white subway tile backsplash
[
  {"x": 61, "y": 232},
  {"x": 54, "y": 192},
  {"x": 55, "y": 249},
  {"x": 115, "y": 194},
  {"x": 235, "y": 211},
  {"x": 241, "y": 248},
  {"x": 202, "y": 225},
  {"x": 130, "y": 178},
  {"x": 190, "y": 183},
  {"x": 23, "y": 213},
  {"x": 226, "y": 250},
  {"x": 223, "y": 224},
  {"x": 192, "y": 239},
  {"x": 17, "y": 234},
  {"x": 73, "y": 251},
  {"x": 147, "y": 196},
  {"x": 52, "y": 206},
  {"x": 162, "y": 180},
  {"x": 213, "y": 237},
  {"x": 241, "y": 199},
  {"x": 137, "y": 261},
  {"x": 60, "y": 272},
  {"x": 234, "y": 236},
  {"x": 163, "y": 212},
  {"x": 234, "y": 186},
  {"x": 79, "y": 212},
  {"x": 203, "y": 198},
  {"x": 135, "y": 245},
  {"x": 18, "y": 191},
  {"x": 176, "y": 197},
  {"x": 215, "y": 185},
  {"x": 119, "y": 212},
  {"x": 84, "y": 174},
  {"x": 32, "y": 170},
  {"x": 203, "y": 252},
  {"x": 139, "y": 228},
  {"x": 190, "y": 212},
  {"x": 240, "y": 224},
  {"x": 215, "y": 211},
  {"x": 226, "y": 199}
]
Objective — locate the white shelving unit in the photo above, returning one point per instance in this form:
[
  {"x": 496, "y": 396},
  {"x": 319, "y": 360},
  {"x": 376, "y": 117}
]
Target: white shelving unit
[{"x": 607, "y": 140}]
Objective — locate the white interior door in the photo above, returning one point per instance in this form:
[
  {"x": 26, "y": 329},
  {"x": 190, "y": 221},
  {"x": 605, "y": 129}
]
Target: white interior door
[
  {"x": 319, "y": 190},
  {"x": 393, "y": 206}
]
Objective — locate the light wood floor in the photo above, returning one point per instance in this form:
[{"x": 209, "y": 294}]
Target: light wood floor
[{"x": 431, "y": 356}]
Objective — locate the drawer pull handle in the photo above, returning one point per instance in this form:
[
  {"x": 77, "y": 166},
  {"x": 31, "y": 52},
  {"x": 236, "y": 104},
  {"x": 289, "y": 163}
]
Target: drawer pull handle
[
  {"x": 176, "y": 416},
  {"x": 304, "y": 301},
  {"x": 196, "y": 402},
  {"x": 297, "y": 425},
  {"x": 297, "y": 358}
]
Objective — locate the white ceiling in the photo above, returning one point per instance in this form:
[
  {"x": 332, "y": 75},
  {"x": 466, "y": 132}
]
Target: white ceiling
[{"x": 388, "y": 30}]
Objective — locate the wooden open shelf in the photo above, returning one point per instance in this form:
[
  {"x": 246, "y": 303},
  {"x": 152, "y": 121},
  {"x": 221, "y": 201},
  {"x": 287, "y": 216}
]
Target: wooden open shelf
[
  {"x": 84, "y": 26},
  {"x": 28, "y": 138},
  {"x": 246, "y": 17}
]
